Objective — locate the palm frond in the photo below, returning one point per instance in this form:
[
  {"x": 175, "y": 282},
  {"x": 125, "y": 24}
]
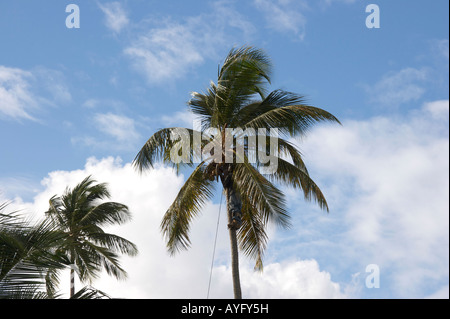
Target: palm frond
[
  {"x": 105, "y": 258},
  {"x": 188, "y": 203},
  {"x": 286, "y": 148},
  {"x": 244, "y": 74},
  {"x": 264, "y": 196},
  {"x": 162, "y": 143},
  {"x": 285, "y": 111},
  {"x": 252, "y": 235},
  {"x": 205, "y": 105},
  {"x": 108, "y": 213},
  {"x": 244, "y": 64},
  {"x": 296, "y": 177},
  {"x": 114, "y": 243},
  {"x": 88, "y": 292},
  {"x": 26, "y": 252}
]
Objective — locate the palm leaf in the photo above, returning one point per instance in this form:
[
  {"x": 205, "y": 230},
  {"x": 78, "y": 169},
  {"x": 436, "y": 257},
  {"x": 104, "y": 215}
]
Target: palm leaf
[
  {"x": 252, "y": 235},
  {"x": 90, "y": 293},
  {"x": 265, "y": 197},
  {"x": 296, "y": 177},
  {"x": 287, "y": 112},
  {"x": 188, "y": 203},
  {"x": 26, "y": 252},
  {"x": 160, "y": 145},
  {"x": 114, "y": 243},
  {"x": 108, "y": 213}
]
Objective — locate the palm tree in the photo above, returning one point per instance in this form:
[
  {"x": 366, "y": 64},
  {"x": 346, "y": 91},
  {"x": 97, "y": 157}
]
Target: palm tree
[
  {"x": 26, "y": 253},
  {"x": 80, "y": 213},
  {"x": 239, "y": 99}
]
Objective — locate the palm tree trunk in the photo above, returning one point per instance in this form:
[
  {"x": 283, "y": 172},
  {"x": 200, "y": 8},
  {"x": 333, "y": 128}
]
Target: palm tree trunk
[
  {"x": 235, "y": 265},
  {"x": 72, "y": 282},
  {"x": 234, "y": 211}
]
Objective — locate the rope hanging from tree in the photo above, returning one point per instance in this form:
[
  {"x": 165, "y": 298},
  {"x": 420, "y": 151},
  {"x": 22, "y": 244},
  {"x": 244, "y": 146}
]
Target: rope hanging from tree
[{"x": 214, "y": 250}]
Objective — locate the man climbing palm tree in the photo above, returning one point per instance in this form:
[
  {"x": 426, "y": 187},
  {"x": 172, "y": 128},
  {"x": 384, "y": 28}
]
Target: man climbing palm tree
[{"x": 238, "y": 101}]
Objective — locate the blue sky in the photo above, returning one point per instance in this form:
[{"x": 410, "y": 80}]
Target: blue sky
[{"x": 84, "y": 100}]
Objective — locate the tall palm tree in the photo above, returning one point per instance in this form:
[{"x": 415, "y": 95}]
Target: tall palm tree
[
  {"x": 80, "y": 213},
  {"x": 26, "y": 253},
  {"x": 239, "y": 99}
]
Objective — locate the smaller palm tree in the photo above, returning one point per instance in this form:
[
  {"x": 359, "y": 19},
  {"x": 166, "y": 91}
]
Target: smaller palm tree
[
  {"x": 80, "y": 214},
  {"x": 26, "y": 253}
]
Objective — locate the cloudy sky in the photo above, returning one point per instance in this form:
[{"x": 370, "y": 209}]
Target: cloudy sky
[{"x": 80, "y": 101}]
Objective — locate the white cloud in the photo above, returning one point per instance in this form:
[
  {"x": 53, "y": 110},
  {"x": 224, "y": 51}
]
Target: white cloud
[
  {"x": 14, "y": 187},
  {"x": 442, "y": 48},
  {"x": 170, "y": 49},
  {"x": 23, "y": 93},
  {"x": 182, "y": 119},
  {"x": 396, "y": 88},
  {"x": 91, "y": 103},
  {"x": 16, "y": 99},
  {"x": 165, "y": 53},
  {"x": 115, "y": 16},
  {"x": 290, "y": 280},
  {"x": 52, "y": 82},
  {"x": 438, "y": 109},
  {"x": 388, "y": 187},
  {"x": 226, "y": 16},
  {"x": 119, "y": 127},
  {"x": 283, "y": 16},
  {"x": 94, "y": 103},
  {"x": 119, "y": 131}
]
